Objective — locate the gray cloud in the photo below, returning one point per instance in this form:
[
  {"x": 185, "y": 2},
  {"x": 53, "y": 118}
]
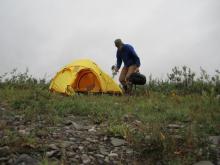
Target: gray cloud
[{"x": 45, "y": 35}]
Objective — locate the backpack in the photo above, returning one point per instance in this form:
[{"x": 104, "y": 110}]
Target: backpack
[{"x": 137, "y": 78}]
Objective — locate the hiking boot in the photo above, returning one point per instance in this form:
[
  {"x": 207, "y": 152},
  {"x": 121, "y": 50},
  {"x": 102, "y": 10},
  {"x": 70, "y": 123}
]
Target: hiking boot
[
  {"x": 125, "y": 88},
  {"x": 129, "y": 88}
]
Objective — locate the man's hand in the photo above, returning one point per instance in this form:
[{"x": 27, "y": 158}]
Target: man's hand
[
  {"x": 137, "y": 70},
  {"x": 114, "y": 68}
]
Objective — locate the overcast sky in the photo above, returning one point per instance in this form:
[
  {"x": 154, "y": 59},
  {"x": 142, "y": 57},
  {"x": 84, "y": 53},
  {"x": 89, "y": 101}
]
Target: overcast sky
[{"x": 45, "y": 35}]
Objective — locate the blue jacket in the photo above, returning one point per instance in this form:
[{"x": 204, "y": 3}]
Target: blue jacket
[{"x": 128, "y": 55}]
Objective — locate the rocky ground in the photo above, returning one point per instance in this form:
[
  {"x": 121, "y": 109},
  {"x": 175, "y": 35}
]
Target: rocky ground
[{"x": 75, "y": 140}]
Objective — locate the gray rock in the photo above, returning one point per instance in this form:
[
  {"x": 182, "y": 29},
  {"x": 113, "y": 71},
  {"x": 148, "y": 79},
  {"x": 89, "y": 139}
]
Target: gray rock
[
  {"x": 107, "y": 159},
  {"x": 81, "y": 148},
  {"x": 177, "y": 137},
  {"x": 117, "y": 142},
  {"x": 112, "y": 154},
  {"x": 4, "y": 151},
  {"x": 53, "y": 147},
  {"x": 71, "y": 154},
  {"x": 72, "y": 139},
  {"x": 105, "y": 138},
  {"x": 175, "y": 126},
  {"x": 74, "y": 147},
  {"x": 91, "y": 140},
  {"x": 53, "y": 153},
  {"x": 129, "y": 151},
  {"x": 68, "y": 122},
  {"x": 215, "y": 139},
  {"x": 67, "y": 129},
  {"x": 77, "y": 157},
  {"x": 3, "y": 159},
  {"x": 2, "y": 109},
  {"x": 103, "y": 150},
  {"x": 23, "y": 132},
  {"x": 85, "y": 159},
  {"x": 100, "y": 161},
  {"x": 92, "y": 129},
  {"x": 66, "y": 144},
  {"x": 1, "y": 134},
  {"x": 204, "y": 163},
  {"x": 99, "y": 155},
  {"x": 91, "y": 158},
  {"x": 25, "y": 159},
  {"x": 147, "y": 137},
  {"x": 77, "y": 126}
]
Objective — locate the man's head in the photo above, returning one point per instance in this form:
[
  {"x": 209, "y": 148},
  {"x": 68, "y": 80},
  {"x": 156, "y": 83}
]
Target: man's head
[{"x": 118, "y": 43}]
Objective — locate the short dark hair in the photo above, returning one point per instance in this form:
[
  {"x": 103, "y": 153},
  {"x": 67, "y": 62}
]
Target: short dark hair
[{"x": 118, "y": 42}]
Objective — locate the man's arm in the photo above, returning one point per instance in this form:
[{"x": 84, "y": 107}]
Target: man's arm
[{"x": 119, "y": 61}]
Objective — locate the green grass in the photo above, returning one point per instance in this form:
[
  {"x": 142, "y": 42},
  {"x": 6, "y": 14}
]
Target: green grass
[{"x": 141, "y": 119}]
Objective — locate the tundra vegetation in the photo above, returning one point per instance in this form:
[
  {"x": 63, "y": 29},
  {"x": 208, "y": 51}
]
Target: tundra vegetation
[{"x": 172, "y": 121}]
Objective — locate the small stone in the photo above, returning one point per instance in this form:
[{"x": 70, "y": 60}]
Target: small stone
[
  {"x": 4, "y": 151},
  {"x": 23, "y": 132},
  {"x": 68, "y": 123},
  {"x": 103, "y": 150},
  {"x": 91, "y": 158},
  {"x": 91, "y": 140},
  {"x": 105, "y": 138},
  {"x": 85, "y": 143},
  {"x": 99, "y": 155},
  {"x": 177, "y": 137},
  {"x": 175, "y": 126},
  {"x": 3, "y": 124},
  {"x": 53, "y": 147},
  {"x": 1, "y": 134},
  {"x": 147, "y": 137},
  {"x": 26, "y": 159},
  {"x": 81, "y": 148},
  {"x": 72, "y": 139},
  {"x": 66, "y": 128},
  {"x": 113, "y": 154},
  {"x": 85, "y": 159},
  {"x": 71, "y": 154},
  {"x": 17, "y": 117},
  {"x": 73, "y": 160},
  {"x": 2, "y": 109},
  {"x": 137, "y": 122},
  {"x": 77, "y": 157},
  {"x": 117, "y": 142},
  {"x": 100, "y": 161},
  {"x": 128, "y": 118},
  {"x": 92, "y": 129},
  {"x": 74, "y": 147},
  {"x": 53, "y": 153},
  {"x": 107, "y": 159},
  {"x": 56, "y": 135},
  {"x": 77, "y": 126},
  {"x": 203, "y": 163},
  {"x": 215, "y": 139},
  {"x": 3, "y": 159},
  {"x": 66, "y": 144},
  {"x": 129, "y": 151}
]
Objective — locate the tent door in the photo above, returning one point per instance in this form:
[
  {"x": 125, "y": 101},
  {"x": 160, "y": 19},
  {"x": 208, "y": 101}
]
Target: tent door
[{"x": 86, "y": 81}]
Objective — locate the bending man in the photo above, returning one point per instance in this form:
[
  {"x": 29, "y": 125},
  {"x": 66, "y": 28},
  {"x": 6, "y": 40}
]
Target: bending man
[{"x": 127, "y": 55}]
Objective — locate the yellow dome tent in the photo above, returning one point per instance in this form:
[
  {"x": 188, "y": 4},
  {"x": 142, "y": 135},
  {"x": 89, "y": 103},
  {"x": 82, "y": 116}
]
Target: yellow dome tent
[{"x": 83, "y": 76}]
